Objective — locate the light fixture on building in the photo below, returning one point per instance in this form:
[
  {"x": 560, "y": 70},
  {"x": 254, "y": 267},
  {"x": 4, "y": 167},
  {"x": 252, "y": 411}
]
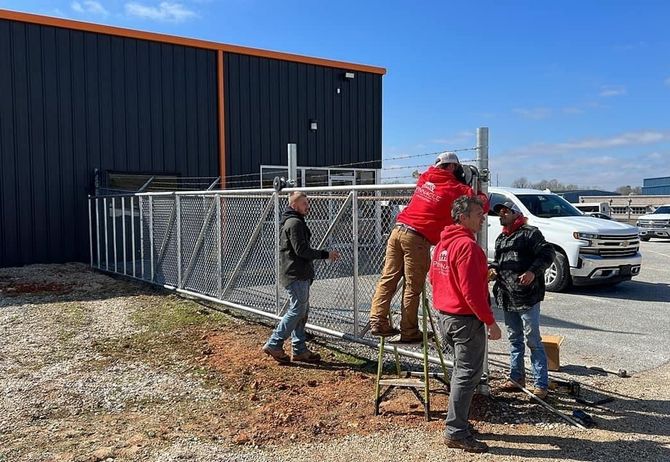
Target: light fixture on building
[
  {"x": 349, "y": 75},
  {"x": 313, "y": 125}
]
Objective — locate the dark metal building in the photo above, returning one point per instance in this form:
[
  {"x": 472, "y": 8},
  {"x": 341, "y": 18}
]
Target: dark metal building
[{"x": 76, "y": 98}]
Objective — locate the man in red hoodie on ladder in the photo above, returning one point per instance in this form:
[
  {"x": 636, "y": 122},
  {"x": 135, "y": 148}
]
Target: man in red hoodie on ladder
[
  {"x": 417, "y": 227},
  {"x": 458, "y": 274}
]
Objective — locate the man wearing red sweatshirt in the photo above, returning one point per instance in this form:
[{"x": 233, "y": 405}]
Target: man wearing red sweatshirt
[
  {"x": 417, "y": 227},
  {"x": 458, "y": 274}
]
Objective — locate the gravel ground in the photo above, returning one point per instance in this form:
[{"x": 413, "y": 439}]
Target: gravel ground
[{"x": 86, "y": 374}]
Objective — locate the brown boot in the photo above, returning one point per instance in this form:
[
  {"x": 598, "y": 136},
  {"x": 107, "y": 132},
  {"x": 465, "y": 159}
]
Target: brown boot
[
  {"x": 468, "y": 444},
  {"x": 307, "y": 357},
  {"x": 278, "y": 355},
  {"x": 540, "y": 392},
  {"x": 383, "y": 331},
  {"x": 511, "y": 387}
]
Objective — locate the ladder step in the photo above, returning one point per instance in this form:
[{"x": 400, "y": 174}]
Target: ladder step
[{"x": 403, "y": 382}]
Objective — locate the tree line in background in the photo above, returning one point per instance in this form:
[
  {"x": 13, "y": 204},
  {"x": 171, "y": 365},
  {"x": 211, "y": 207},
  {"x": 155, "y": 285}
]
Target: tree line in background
[{"x": 555, "y": 185}]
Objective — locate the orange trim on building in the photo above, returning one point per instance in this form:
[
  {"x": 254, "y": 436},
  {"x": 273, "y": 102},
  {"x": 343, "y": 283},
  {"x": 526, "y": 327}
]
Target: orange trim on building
[
  {"x": 122, "y": 32},
  {"x": 222, "y": 117}
]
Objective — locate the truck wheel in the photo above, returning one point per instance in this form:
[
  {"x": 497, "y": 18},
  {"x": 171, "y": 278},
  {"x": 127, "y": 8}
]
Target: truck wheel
[
  {"x": 644, "y": 238},
  {"x": 557, "y": 276}
]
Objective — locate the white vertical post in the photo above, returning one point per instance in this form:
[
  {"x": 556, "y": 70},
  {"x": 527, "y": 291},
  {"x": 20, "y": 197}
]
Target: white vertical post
[
  {"x": 132, "y": 230},
  {"x": 277, "y": 264},
  {"x": 97, "y": 229},
  {"x": 151, "y": 236},
  {"x": 219, "y": 249},
  {"x": 354, "y": 228},
  {"x": 482, "y": 236},
  {"x": 140, "y": 203},
  {"x": 178, "y": 206},
  {"x": 116, "y": 261},
  {"x": 293, "y": 162},
  {"x": 123, "y": 230},
  {"x": 90, "y": 229}
]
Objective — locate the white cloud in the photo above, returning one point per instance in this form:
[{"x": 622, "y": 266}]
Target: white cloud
[
  {"x": 89, "y": 7},
  {"x": 612, "y": 90},
  {"x": 164, "y": 11},
  {"x": 536, "y": 113},
  {"x": 456, "y": 138},
  {"x": 573, "y": 110}
]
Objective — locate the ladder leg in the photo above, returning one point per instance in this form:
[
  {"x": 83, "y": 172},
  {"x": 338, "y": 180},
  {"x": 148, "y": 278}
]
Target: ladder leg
[
  {"x": 426, "y": 384},
  {"x": 438, "y": 347},
  {"x": 380, "y": 364}
]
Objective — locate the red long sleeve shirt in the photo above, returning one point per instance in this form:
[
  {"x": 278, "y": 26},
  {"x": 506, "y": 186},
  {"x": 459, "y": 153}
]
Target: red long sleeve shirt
[
  {"x": 458, "y": 274},
  {"x": 429, "y": 210}
]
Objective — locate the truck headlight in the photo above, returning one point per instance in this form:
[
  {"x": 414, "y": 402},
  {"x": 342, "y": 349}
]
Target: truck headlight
[{"x": 584, "y": 236}]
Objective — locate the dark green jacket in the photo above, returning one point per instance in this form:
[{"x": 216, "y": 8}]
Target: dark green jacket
[
  {"x": 523, "y": 250},
  {"x": 295, "y": 253}
]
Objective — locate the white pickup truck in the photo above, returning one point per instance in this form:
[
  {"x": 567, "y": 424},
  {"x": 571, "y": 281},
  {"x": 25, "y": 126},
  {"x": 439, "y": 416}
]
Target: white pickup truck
[
  {"x": 588, "y": 250},
  {"x": 655, "y": 224}
]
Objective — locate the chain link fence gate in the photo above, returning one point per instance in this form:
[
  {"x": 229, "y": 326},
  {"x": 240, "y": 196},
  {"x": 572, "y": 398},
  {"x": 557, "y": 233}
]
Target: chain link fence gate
[{"x": 223, "y": 246}]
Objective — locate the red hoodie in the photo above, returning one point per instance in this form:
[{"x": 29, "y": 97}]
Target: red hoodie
[
  {"x": 429, "y": 211},
  {"x": 458, "y": 275}
]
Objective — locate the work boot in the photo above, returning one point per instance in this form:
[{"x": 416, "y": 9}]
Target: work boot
[
  {"x": 383, "y": 331},
  {"x": 307, "y": 357},
  {"x": 510, "y": 387},
  {"x": 278, "y": 354},
  {"x": 540, "y": 392},
  {"x": 468, "y": 444}
]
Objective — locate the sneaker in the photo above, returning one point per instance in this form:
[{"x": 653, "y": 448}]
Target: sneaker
[
  {"x": 278, "y": 355},
  {"x": 468, "y": 444},
  {"x": 540, "y": 392},
  {"x": 307, "y": 357},
  {"x": 510, "y": 387},
  {"x": 386, "y": 331}
]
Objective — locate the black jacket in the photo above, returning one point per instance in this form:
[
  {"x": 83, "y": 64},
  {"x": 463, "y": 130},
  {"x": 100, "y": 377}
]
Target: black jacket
[
  {"x": 295, "y": 253},
  {"x": 523, "y": 250}
]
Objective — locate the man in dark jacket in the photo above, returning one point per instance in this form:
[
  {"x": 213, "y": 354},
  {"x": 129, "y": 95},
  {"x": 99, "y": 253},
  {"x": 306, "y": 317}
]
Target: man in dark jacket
[
  {"x": 417, "y": 227},
  {"x": 521, "y": 257},
  {"x": 296, "y": 275}
]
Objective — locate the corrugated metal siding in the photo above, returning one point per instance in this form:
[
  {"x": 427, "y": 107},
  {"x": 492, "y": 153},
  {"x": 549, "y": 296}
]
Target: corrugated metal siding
[
  {"x": 269, "y": 103},
  {"x": 74, "y": 101}
]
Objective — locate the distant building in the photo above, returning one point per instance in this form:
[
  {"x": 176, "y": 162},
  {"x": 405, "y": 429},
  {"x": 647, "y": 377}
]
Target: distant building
[
  {"x": 573, "y": 195},
  {"x": 656, "y": 186}
]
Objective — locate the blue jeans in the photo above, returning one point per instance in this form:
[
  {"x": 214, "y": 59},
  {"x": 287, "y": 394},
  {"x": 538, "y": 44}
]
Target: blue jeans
[
  {"x": 526, "y": 324},
  {"x": 293, "y": 322}
]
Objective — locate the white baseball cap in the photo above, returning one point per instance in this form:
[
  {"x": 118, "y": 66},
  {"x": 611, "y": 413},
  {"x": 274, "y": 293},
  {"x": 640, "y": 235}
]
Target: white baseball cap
[{"x": 447, "y": 157}]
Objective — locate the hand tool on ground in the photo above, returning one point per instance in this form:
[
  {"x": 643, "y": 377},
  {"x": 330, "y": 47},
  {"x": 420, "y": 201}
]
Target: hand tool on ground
[{"x": 621, "y": 372}]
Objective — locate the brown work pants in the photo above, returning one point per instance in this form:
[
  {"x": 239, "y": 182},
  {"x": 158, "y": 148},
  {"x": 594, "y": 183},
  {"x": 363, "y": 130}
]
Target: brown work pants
[{"x": 408, "y": 255}]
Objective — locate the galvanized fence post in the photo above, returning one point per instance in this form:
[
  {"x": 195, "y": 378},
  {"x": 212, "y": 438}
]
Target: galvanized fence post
[
  {"x": 178, "y": 208},
  {"x": 123, "y": 226},
  {"x": 140, "y": 201},
  {"x": 132, "y": 230},
  {"x": 90, "y": 230},
  {"x": 354, "y": 228},
  {"x": 116, "y": 261},
  {"x": 276, "y": 252},
  {"x": 104, "y": 205},
  {"x": 97, "y": 229},
  {"x": 151, "y": 236},
  {"x": 219, "y": 249}
]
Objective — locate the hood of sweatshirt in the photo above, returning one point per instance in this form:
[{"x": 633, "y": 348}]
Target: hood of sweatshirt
[
  {"x": 453, "y": 233},
  {"x": 290, "y": 213}
]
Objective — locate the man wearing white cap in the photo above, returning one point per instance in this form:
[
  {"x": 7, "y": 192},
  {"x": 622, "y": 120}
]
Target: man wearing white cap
[{"x": 417, "y": 228}]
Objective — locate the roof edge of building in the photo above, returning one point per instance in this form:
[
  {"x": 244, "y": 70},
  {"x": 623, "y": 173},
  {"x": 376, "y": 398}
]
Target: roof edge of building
[{"x": 176, "y": 40}]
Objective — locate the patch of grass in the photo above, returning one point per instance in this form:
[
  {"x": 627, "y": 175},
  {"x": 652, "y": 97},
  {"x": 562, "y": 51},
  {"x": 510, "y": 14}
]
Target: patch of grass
[{"x": 174, "y": 314}]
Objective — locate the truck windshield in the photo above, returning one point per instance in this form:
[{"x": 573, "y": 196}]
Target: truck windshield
[
  {"x": 548, "y": 205},
  {"x": 663, "y": 209}
]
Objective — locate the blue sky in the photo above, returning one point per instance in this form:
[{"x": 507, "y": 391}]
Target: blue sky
[{"x": 578, "y": 91}]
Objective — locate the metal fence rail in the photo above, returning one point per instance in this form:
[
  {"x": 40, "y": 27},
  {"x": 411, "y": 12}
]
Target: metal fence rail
[{"x": 223, "y": 246}]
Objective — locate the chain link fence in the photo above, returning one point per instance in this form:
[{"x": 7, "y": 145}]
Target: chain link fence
[{"x": 223, "y": 246}]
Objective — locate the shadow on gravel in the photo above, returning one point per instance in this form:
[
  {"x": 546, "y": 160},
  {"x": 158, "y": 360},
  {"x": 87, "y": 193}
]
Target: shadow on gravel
[
  {"x": 629, "y": 290},
  {"x": 562, "y": 448}
]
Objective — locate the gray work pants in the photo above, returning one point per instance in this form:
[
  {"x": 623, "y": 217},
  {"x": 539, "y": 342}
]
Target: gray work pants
[{"x": 467, "y": 337}]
